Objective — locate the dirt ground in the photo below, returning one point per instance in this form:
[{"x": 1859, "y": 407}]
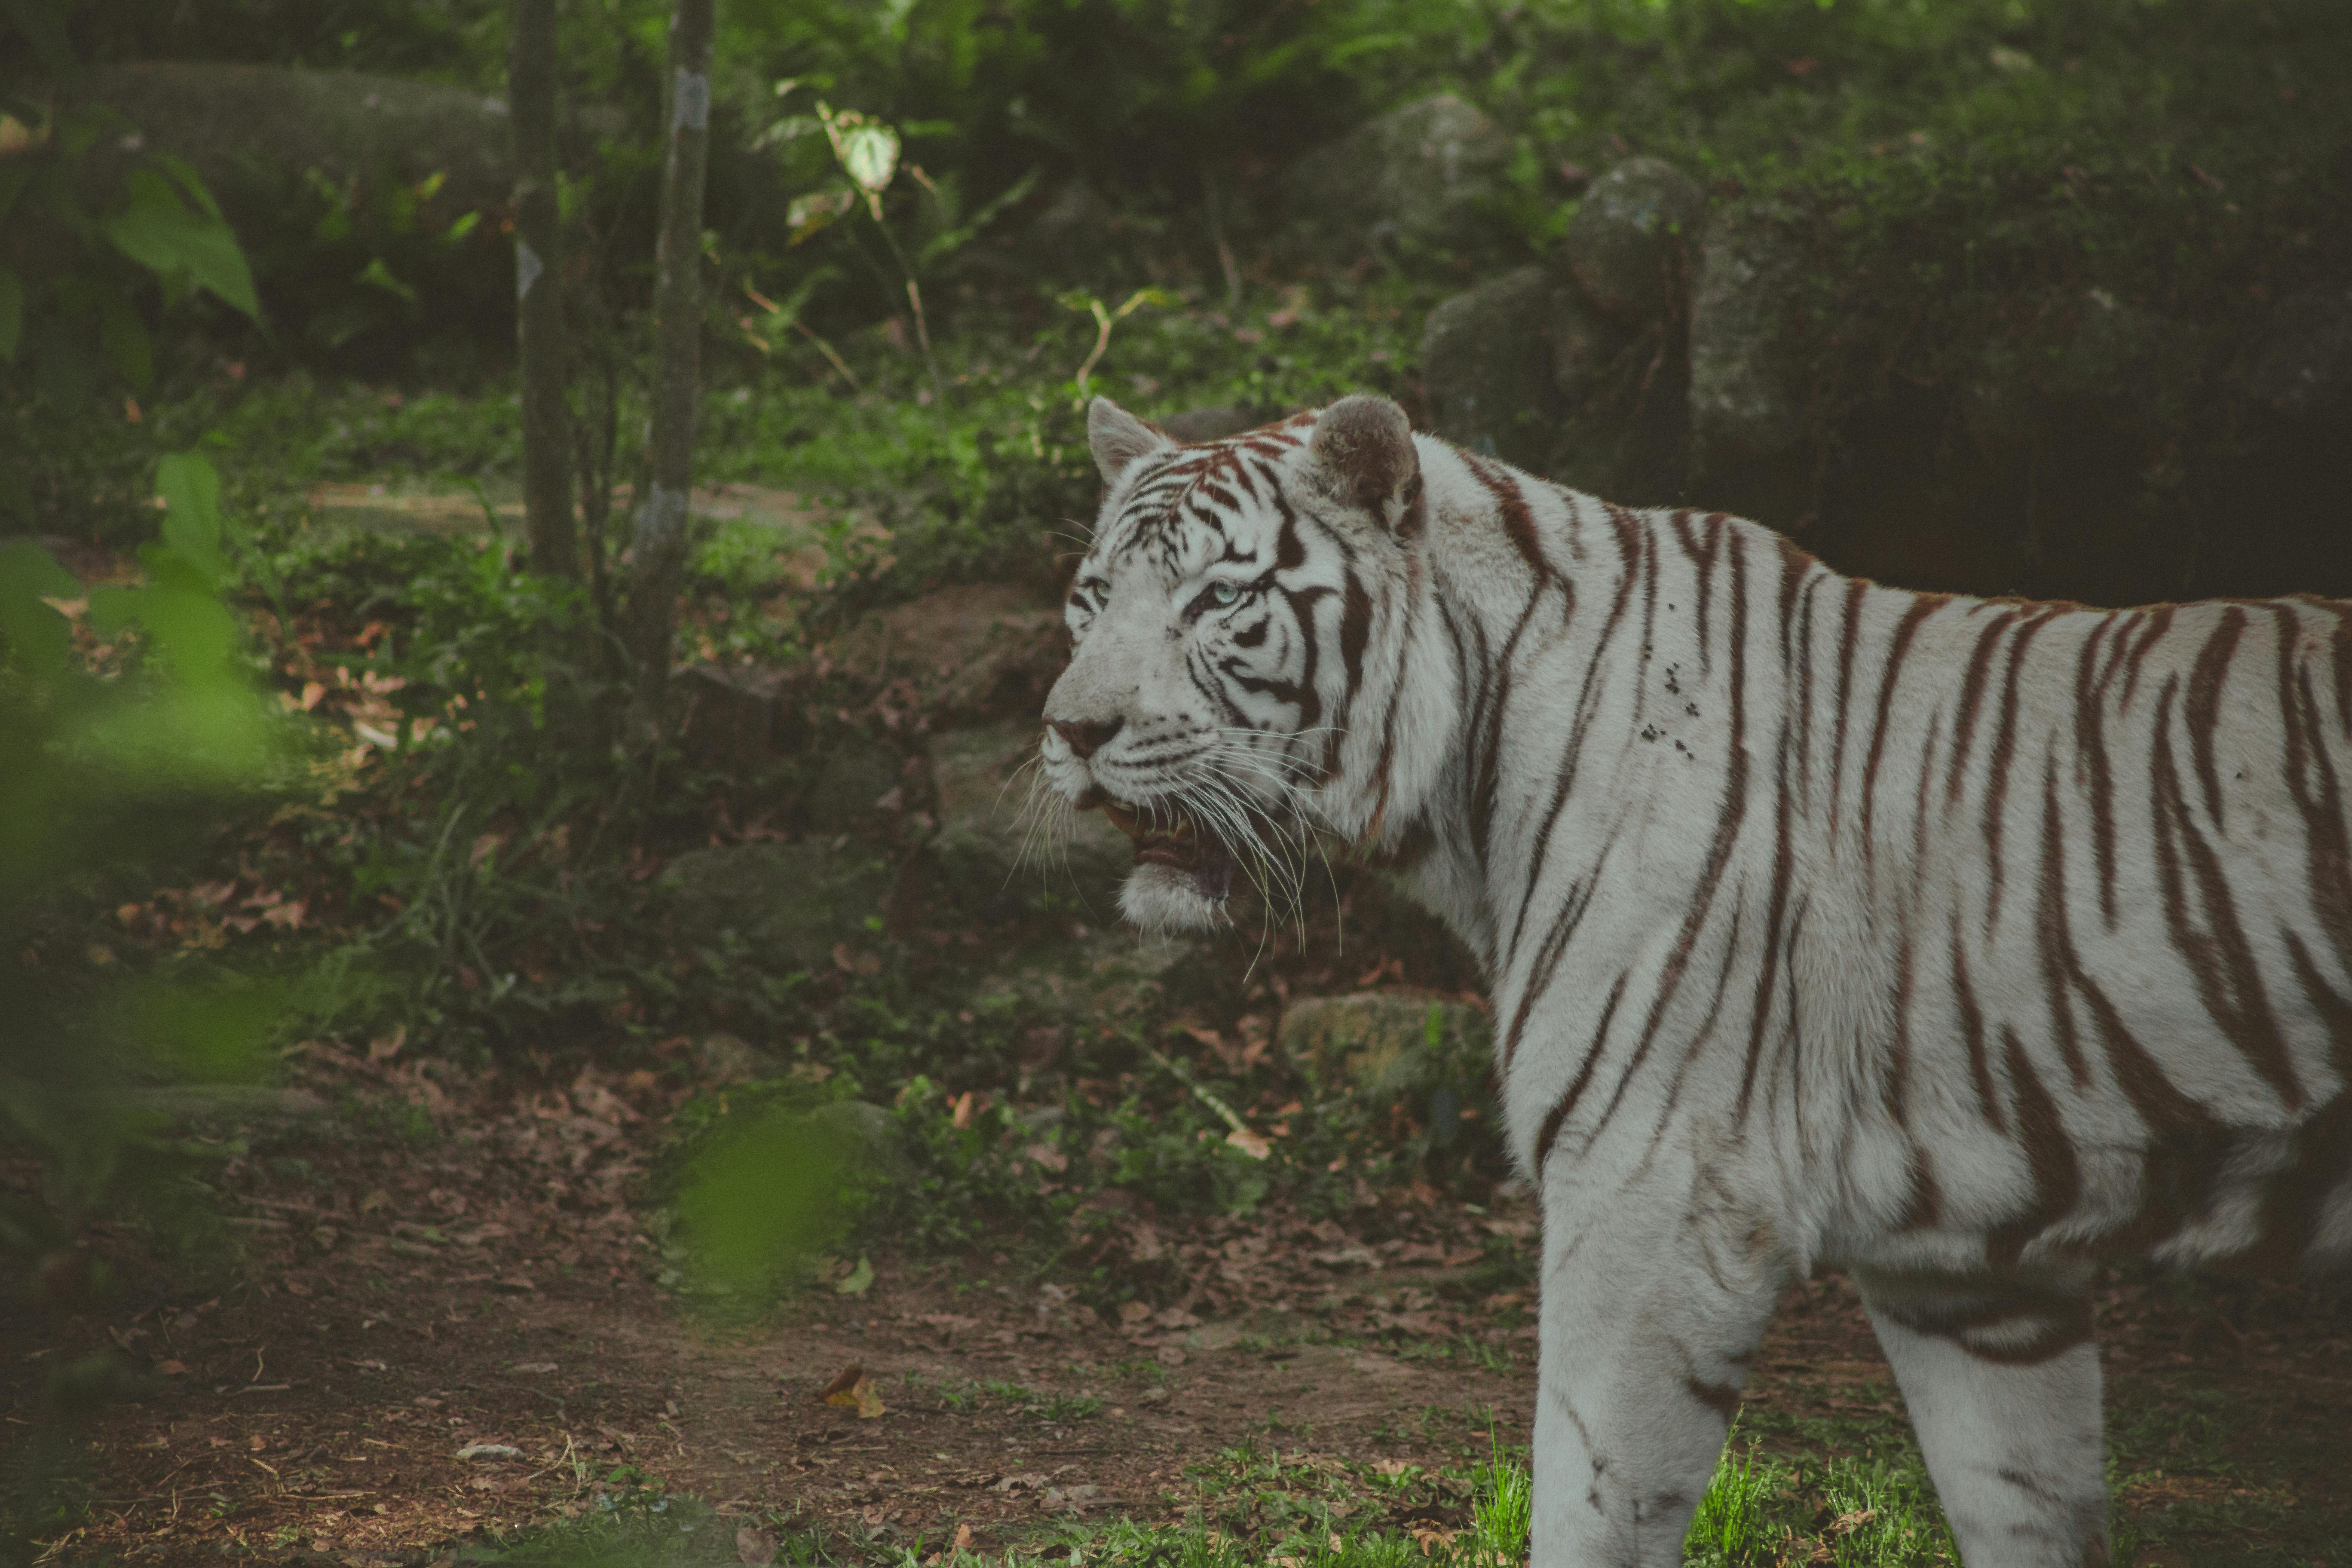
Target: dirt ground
[{"x": 429, "y": 1341}]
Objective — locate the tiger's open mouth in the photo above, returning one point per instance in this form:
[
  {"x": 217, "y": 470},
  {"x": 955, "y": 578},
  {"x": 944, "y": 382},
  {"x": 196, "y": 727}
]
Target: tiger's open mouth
[{"x": 1169, "y": 836}]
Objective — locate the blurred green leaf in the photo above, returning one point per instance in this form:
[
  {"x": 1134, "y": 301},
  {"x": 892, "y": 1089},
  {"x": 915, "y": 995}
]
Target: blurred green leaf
[
  {"x": 377, "y": 275},
  {"x": 37, "y": 642},
  {"x": 12, "y": 314},
  {"x": 811, "y": 212},
  {"x": 190, "y": 489},
  {"x": 44, "y": 27},
  {"x": 764, "y": 1198},
  {"x": 215, "y": 1034},
  {"x": 160, "y": 232}
]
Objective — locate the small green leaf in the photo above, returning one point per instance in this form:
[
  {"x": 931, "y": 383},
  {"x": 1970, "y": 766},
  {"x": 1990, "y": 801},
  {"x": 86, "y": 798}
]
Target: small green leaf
[
  {"x": 12, "y": 314},
  {"x": 377, "y": 275},
  {"x": 158, "y": 231},
  {"x": 868, "y": 150},
  {"x": 812, "y": 212},
  {"x": 859, "y": 1281}
]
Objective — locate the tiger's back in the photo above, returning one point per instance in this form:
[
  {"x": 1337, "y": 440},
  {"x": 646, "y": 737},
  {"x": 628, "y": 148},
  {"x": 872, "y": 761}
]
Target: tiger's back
[{"x": 2057, "y": 899}]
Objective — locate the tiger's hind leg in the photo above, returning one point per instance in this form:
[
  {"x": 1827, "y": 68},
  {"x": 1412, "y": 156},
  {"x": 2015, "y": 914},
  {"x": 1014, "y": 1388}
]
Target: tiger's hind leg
[{"x": 2003, "y": 1380}]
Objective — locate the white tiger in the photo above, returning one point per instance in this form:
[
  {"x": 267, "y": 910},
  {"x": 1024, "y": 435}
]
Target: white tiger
[{"x": 1953, "y": 942}]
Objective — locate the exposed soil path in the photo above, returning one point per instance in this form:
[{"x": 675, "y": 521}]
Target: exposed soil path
[{"x": 426, "y": 1344}]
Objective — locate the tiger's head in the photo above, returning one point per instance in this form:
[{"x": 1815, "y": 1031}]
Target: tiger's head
[{"x": 1220, "y": 624}]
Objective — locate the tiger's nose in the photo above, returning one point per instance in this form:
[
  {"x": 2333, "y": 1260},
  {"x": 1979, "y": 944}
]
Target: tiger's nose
[{"x": 1086, "y": 736}]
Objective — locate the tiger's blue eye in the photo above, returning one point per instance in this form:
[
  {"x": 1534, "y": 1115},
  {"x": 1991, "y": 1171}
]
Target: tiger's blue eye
[{"x": 1224, "y": 595}]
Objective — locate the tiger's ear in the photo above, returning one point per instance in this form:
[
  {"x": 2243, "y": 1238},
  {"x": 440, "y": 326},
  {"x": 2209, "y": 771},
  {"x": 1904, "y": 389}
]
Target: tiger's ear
[
  {"x": 1363, "y": 449},
  {"x": 1119, "y": 438}
]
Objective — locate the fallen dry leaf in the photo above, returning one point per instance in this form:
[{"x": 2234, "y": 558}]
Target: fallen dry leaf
[
  {"x": 754, "y": 1548},
  {"x": 858, "y": 1281},
  {"x": 1253, "y": 1144},
  {"x": 853, "y": 1390}
]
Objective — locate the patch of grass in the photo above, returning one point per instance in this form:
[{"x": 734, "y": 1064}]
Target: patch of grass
[
  {"x": 1870, "y": 1507},
  {"x": 1502, "y": 1509},
  {"x": 666, "y": 1531},
  {"x": 1462, "y": 1350},
  {"x": 972, "y": 1393}
]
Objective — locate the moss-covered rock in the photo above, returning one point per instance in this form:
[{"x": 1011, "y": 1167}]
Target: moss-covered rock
[
  {"x": 2298, "y": 361},
  {"x": 993, "y": 842},
  {"x": 1486, "y": 361},
  {"x": 1630, "y": 242},
  {"x": 1111, "y": 977},
  {"x": 1413, "y": 175},
  {"x": 1746, "y": 357},
  {"x": 1383, "y": 1045},
  {"x": 854, "y": 782},
  {"x": 1585, "y": 346},
  {"x": 789, "y": 903}
]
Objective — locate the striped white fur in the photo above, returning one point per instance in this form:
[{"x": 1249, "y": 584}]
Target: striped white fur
[{"x": 1956, "y": 944}]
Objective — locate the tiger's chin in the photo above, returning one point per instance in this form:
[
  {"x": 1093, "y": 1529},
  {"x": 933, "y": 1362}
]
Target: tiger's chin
[
  {"x": 1183, "y": 873},
  {"x": 1160, "y": 900}
]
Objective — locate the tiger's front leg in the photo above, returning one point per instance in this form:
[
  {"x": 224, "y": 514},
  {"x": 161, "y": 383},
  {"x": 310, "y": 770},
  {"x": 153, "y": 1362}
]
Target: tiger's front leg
[{"x": 1653, "y": 1301}]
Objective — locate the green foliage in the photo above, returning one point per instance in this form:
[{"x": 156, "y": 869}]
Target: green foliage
[
  {"x": 111, "y": 773},
  {"x": 73, "y": 295},
  {"x": 107, "y": 774}
]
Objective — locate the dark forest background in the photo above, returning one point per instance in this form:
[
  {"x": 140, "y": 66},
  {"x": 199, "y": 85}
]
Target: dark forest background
[{"x": 354, "y": 798}]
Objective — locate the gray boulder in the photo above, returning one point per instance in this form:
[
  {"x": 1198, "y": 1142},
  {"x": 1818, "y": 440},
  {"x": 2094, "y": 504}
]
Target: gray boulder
[
  {"x": 990, "y": 836},
  {"x": 972, "y": 650},
  {"x": 1747, "y": 391},
  {"x": 1584, "y": 346},
  {"x": 791, "y": 902},
  {"x": 852, "y": 783},
  {"x": 869, "y": 1133},
  {"x": 727, "y": 719},
  {"x": 2300, "y": 362},
  {"x": 1486, "y": 361},
  {"x": 1629, "y": 243},
  {"x": 1113, "y": 976},
  {"x": 1412, "y": 175},
  {"x": 2137, "y": 369},
  {"x": 2092, "y": 358}
]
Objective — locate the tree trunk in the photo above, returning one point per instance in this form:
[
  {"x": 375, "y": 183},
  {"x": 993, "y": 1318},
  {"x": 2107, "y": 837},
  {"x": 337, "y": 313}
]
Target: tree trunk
[
  {"x": 539, "y": 293},
  {"x": 658, "y": 547}
]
